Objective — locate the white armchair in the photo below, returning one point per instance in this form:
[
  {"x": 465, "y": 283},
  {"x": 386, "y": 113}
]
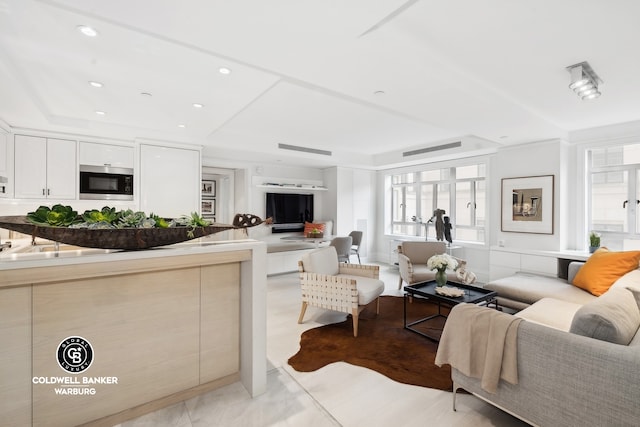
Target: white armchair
[
  {"x": 343, "y": 287},
  {"x": 412, "y": 262}
]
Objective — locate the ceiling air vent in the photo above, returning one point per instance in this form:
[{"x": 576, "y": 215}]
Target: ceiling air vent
[
  {"x": 304, "y": 149},
  {"x": 430, "y": 149}
]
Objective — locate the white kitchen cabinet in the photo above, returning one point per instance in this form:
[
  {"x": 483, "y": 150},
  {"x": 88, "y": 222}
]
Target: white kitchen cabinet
[
  {"x": 45, "y": 168},
  {"x": 506, "y": 262},
  {"x": 4, "y": 151},
  {"x": 169, "y": 180},
  {"x": 4, "y": 165},
  {"x": 98, "y": 154}
]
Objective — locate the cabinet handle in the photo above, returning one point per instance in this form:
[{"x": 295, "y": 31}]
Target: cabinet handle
[
  {"x": 48, "y": 192},
  {"x": 43, "y": 191}
]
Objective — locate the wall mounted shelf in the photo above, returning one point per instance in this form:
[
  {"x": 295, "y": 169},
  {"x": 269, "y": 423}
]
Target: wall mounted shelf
[{"x": 293, "y": 187}]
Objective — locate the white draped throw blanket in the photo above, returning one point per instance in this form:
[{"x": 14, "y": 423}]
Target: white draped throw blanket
[{"x": 480, "y": 343}]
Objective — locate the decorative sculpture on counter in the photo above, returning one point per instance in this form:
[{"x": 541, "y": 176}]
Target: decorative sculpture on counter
[{"x": 108, "y": 229}]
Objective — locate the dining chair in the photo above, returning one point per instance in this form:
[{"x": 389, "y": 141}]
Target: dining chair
[
  {"x": 356, "y": 239},
  {"x": 343, "y": 247}
]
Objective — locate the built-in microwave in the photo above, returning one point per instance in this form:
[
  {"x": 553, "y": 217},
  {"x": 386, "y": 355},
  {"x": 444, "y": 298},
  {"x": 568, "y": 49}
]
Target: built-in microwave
[{"x": 106, "y": 183}]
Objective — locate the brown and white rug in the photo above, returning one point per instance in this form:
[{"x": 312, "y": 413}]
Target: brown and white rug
[{"x": 382, "y": 344}]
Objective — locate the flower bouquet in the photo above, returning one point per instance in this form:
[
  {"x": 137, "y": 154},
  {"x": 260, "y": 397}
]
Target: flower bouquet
[{"x": 442, "y": 263}]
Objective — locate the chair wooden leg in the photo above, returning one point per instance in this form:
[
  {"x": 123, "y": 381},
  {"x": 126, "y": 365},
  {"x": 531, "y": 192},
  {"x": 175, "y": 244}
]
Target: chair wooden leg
[
  {"x": 354, "y": 315},
  {"x": 304, "y": 308},
  {"x": 378, "y": 305}
]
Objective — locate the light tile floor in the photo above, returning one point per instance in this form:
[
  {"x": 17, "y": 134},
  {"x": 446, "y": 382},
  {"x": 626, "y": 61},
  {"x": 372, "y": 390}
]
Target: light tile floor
[{"x": 336, "y": 395}]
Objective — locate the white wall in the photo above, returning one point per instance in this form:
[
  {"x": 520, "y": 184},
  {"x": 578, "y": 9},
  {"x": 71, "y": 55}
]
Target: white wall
[
  {"x": 541, "y": 158},
  {"x": 351, "y": 202}
]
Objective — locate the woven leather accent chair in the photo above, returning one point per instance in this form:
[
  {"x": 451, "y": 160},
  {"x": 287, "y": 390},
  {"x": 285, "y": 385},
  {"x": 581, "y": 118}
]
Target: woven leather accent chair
[{"x": 328, "y": 284}]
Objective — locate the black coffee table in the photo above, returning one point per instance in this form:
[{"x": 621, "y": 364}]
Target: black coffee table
[{"x": 426, "y": 290}]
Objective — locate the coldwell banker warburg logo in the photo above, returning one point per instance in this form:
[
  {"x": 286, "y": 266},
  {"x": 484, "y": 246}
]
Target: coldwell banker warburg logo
[{"x": 74, "y": 355}]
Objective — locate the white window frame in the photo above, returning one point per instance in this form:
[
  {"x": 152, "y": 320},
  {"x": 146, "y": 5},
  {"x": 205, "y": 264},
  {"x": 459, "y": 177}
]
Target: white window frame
[
  {"x": 450, "y": 210},
  {"x": 632, "y": 209}
]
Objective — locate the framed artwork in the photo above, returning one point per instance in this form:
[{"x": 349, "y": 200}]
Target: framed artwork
[
  {"x": 209, "y": 188},
  {"x": 209, "y": 207},
  {"x": 527, "y": 204}
]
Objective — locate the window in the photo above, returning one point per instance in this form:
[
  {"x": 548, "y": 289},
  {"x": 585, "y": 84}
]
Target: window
[
  {"x": 614, "y": 195},
  {"x": 460, "y": 191}
]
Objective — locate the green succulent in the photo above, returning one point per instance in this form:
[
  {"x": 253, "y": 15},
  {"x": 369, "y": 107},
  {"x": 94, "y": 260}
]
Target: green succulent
[
  {"x": 130, "y": 218},
  {"x": 107, "y": 214},
  {"x": 194, "y": 220},
  {"x": 65, "y": 216},
  {"x": 58, "y": 215},
  {"x": 160, "y": 222}
]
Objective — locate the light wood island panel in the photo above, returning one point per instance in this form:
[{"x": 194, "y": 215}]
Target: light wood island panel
[
  {"x": 167, "y": 328},
  {"x": 15, "y": 357}
]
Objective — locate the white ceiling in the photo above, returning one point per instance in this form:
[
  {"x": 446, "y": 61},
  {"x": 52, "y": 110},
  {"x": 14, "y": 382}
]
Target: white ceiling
[{"x": 305, "y": 73}]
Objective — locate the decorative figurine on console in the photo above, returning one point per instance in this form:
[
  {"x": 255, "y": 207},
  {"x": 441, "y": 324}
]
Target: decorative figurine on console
[
  {"x": 438, "y": 213},
  {"x": 447, "y": 230}
]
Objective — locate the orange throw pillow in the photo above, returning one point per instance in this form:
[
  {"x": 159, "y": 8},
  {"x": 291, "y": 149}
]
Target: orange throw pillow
[
  {"x": 603, "y": 268},
  {"x": 309, "y": 227}
]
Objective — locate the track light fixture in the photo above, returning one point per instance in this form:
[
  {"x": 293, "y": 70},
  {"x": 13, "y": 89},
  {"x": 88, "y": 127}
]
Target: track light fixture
[{"x": 584, "y": 81}]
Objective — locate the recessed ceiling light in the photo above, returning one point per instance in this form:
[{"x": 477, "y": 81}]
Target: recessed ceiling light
[
  {"x": 100, "y": 113},
  {"x": 196, "y": 105},
  {"x": 182, "y": 125},
  {"x": 96, "y": 84},
  {"x": 87, "y": 31},
  {"x": 378, "y": 92},
  {"x": 224, "y": 70},
  {"x": 145, "y": 94}
]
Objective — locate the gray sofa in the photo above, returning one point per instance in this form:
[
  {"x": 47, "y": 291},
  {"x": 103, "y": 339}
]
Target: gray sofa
[
  {"x": 524, "y": 289},
  {"x": 569, "y": 373}
]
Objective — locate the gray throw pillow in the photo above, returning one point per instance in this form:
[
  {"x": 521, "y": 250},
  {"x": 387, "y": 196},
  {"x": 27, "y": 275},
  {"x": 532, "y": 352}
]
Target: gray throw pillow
[
  {"x": 613, "y": 317},
  {"x": 636, "y": 295}
]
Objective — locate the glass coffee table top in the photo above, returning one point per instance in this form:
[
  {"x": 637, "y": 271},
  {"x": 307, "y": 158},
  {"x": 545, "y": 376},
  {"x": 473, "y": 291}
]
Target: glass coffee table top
[{"x": 472, "y": 294}]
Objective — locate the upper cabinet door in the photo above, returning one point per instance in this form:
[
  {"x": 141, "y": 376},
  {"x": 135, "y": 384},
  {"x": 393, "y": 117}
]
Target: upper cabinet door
[
  {"x": 96, "y": 154},
  {"x": 4, "y": 161},
  {"x": 30, "y": 153},
  {"x": 62, "y": 172},
  {"x": 5, "y": 179},
  {"x": 169, "y": 180},
  {"x": 45, "y": 168}
]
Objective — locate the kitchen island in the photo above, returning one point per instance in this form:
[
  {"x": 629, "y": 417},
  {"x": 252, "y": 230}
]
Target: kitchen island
[{"x": 162, "y": 325}]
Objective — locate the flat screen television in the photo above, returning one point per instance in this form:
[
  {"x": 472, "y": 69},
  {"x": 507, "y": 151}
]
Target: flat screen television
[{"x": 289, "y": 211}]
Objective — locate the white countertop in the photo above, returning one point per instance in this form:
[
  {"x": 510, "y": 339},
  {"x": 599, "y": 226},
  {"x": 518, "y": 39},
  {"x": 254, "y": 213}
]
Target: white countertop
[
  {"x": 17, "y": 258},
  {"x": 565, "y": 253}
]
